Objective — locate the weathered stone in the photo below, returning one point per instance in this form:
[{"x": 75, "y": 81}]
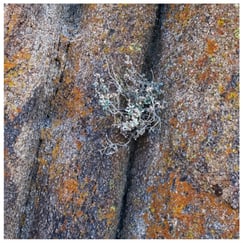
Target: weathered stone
[
  {"x": 185, "y": 179},
  {"x": 182, "y": 181},
  {"x": 57, "y": 182}
]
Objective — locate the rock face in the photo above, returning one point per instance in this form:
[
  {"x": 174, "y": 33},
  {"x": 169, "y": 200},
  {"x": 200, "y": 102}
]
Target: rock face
[{"x": 182, "y": 181}]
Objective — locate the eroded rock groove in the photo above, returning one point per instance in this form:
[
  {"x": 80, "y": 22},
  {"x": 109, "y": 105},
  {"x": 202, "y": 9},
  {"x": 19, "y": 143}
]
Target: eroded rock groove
[{"x": 151, "y": 58}]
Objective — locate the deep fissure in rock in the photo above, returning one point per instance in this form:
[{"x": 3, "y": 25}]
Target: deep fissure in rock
[
  {"x": 30, "y": 216},
  {"x": 126, "y": 188},
  {"x": 151, "y": 58}
]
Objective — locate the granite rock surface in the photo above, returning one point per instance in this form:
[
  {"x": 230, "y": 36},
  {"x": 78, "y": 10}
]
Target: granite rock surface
[{"x": 180, "y": 181}]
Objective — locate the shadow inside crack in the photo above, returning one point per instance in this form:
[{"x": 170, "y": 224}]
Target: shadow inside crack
[{"x": 151, "y": 59}]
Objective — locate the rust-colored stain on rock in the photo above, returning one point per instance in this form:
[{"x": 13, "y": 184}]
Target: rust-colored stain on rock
[{"x": 179, "y": 211}]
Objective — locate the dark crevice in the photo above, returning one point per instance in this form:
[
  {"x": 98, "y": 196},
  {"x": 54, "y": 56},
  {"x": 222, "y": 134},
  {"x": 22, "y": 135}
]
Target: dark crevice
[
  {"x": 128, "y": 184},
  {"x": 71, "y": 16},
  {"x": 33, "y": 214},
  {"x": 43, "y": 115},
  {"x": 151, "y": 59}
]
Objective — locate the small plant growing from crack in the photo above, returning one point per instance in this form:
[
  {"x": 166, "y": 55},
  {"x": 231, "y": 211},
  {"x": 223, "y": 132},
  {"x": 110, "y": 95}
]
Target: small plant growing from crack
[{"x": 133, "y": 102}]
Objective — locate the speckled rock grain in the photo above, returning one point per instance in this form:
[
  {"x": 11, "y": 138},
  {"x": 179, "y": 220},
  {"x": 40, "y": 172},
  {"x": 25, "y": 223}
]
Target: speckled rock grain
[
  {"x": 183, "y": 179},
  {"x": 57, "y": 184}
]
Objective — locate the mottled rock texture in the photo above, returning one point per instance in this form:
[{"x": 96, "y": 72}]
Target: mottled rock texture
[
  {"x": 181, "y": 181},
  {"x": 185, "y": 179}
]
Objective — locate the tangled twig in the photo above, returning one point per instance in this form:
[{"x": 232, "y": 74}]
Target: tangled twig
[{"x": 133, "y": 101}]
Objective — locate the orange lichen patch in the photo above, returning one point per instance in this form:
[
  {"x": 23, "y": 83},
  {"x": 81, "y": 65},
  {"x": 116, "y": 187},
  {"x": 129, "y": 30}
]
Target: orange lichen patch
[
  {"x": 56, "y": 150},
  {"x": 18, "y": 109},
  {"x": 68, "y": 190},
  {"x": 155, "y": 232},
  {"x": 56, "y": 80},
  {"x": 56, "y": 170},
  {"x": 177, "y": 204},
  {"x": 180, "y": 60},
  {"x": 109, "y": 216},
  {"x": 72, "y": 195},
  {"x": 191, "y": 131},
  {"x": 15, "y": 110},
  {"x": 220, "y": 31},
  {"x": 91, "y": 7},
  {"x": 94, "y": 19},
  {"x": 207, "y": 76},
  {"x": 7, "y": 175},
  {"x": 183, "y": 143},
  {"x": 68, "y": 79},
  {"x": 14, "y": 19},
  {"x": 76, "y": 103},
  {"x": 80, "y": 200},
  {"x": 79, "y": 213},
  {"x": 221, "y": 23},
  {"x": 131, "y": 49},
  {"x": 56, "y": 123},
  {"x": 15, "y": 66},
  {"x": 64, "y": 39},
  {"x": 77, "y": 66},
  {"x": 174, "y": 122},
  {"x": 45, "y": 134},
  {"x": 96, "y": 50},
  {"x": 221, "y": 89},
  {"x": 9, "y": 65},
  {"x": 229, "y": 150},
  {"x": 202, "y": 77},
  {"x": 18, "y": 58},
  {"x": 184, "y": 15},
  {"x": 9, "y": 82},
  {"x": 63, "y": 227},
  {"x": 202, "y": 61},
  {"x": 79, "y": 144},
  {"x": 233, "y": 95},
  {"x": 5, "y": 152},
  {"x": 22, "y": 55},
  {"x": 42, "y": 162},
  {"x": 211, "y": 47}
]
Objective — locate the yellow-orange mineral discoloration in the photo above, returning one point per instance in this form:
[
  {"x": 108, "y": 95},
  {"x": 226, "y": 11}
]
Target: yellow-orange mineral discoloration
[{"x": 179, "y": 211}]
